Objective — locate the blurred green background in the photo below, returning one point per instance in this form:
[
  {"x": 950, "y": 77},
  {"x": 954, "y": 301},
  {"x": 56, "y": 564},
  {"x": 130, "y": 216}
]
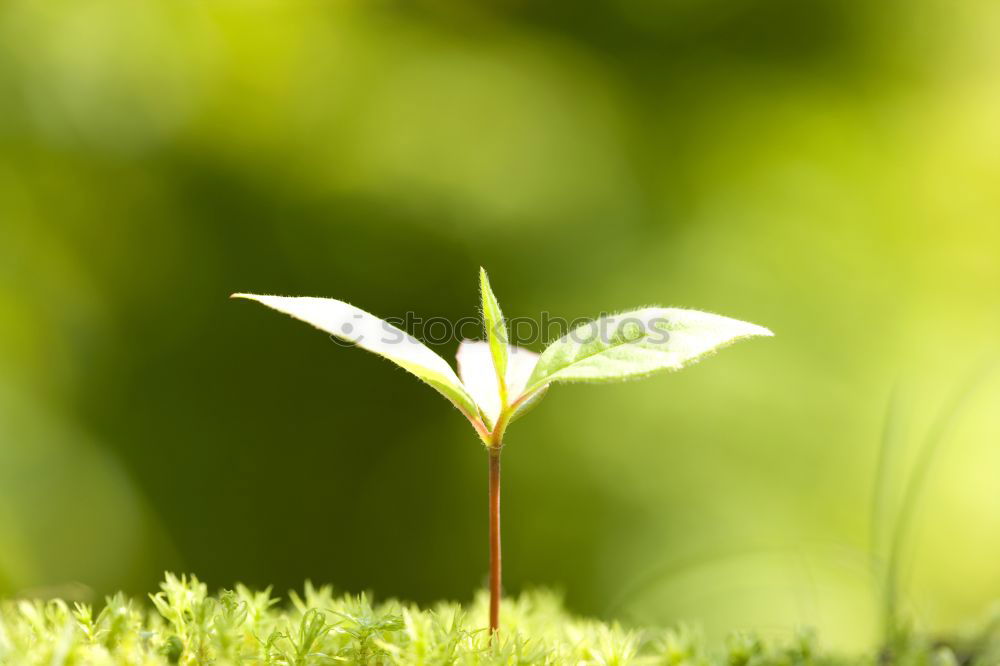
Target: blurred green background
[{"x": 830, "y": 169}]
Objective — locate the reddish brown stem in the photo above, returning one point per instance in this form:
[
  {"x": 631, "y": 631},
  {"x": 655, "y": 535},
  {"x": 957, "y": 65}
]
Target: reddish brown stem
[{"x": 495, "y": 567}]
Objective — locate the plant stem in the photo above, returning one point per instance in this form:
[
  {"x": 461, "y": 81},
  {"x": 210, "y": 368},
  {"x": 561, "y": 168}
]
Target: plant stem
[{"x": 495, "y": 565}]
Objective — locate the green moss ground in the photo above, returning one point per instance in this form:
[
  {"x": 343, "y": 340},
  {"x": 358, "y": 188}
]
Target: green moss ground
[{"x": 185, "y": 625}]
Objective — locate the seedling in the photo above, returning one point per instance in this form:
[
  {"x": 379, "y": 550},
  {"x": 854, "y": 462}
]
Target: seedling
[{"x": 498, "y": 382}]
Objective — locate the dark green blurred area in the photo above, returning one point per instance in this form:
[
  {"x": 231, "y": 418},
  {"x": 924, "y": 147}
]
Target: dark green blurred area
[{"x": 829, "y": 169}]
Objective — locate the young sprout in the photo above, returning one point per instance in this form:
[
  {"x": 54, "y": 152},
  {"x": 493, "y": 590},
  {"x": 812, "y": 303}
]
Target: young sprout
[{"x": 498, "y": 382}]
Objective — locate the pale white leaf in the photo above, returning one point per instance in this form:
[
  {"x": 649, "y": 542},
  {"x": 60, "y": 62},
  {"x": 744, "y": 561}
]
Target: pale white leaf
[
  {"x": 375, "y": 335},
  {"x": 475, "y": 367},
  {"x": 636, "y": 344}
]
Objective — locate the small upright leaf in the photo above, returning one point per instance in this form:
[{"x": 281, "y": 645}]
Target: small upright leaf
[
  {"x": 367, "y": 331},
  {"x": 496, "y": 331},
  {"x": 636, "y": 344}
]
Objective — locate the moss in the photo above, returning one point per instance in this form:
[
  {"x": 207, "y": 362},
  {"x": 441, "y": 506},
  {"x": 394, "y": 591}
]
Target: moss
[{"x": 186, "y": 625}]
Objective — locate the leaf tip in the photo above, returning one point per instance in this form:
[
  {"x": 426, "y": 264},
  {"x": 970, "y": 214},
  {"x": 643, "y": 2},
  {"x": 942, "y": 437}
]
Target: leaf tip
[
  {"x": 250, "y": 297},
  {"x": 749, "y": 330}
]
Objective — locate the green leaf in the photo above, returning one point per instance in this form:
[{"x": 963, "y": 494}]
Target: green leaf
[
  {"x": 367, "y": 331},
  {"x": 475, "y": 367},
  {"x": 637, "y": 344},
  {"x": 496, "y": 331}
]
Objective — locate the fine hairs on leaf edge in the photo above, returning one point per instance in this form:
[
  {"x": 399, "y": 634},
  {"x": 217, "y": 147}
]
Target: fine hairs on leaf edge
[{"x": 742, "y": 330}]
